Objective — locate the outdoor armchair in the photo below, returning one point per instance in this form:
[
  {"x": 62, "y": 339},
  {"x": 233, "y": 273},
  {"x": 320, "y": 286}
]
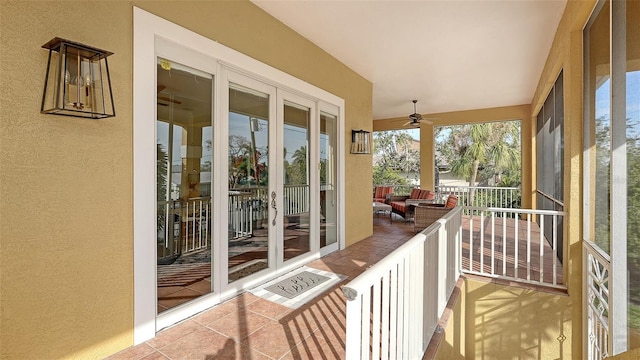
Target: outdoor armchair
[{"x": 427, "y": 214}]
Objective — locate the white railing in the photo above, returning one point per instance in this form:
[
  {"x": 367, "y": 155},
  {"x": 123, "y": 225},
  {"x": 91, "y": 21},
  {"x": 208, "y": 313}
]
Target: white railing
[
  {"x": 482, "y": 196},
  {"x": 186, "y": 226},
  {"x": 248, "y": 207},
  {"x": 197, "y": 224},
  {"x": 394, "y": 306},
  {"x": 597, "y": 270},
  {"x": 516, "y": 244},
  {"x": 296, "y": 199}
]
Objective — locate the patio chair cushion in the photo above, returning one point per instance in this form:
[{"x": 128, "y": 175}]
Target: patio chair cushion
[
  {"x": 452, "y": 201},
  {"x": 415, "y": 193},
  {"x": 398, "y": 206},
  {"x": 381, "y": 193}
]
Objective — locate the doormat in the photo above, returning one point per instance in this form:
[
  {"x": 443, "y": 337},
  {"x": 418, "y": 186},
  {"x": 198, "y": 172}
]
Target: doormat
[{"x": 297, "y": 287}]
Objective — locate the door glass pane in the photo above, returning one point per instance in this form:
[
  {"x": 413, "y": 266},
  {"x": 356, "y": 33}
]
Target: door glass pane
[
  {"x": 328, "y": 175},
  {"x": 184, "y": 143},
  {"x": 248, "y": 233},
  {"x": 633, "y": 170},
  {"x": 296, "y": 180},
  {"x": 600, "y": 124}
]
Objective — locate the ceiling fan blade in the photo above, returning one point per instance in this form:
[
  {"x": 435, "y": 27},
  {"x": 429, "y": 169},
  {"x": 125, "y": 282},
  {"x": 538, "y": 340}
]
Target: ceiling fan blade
[
  {"x": 161, "y": 87},
  {"x": 407, "y": 123},
  {"x": 426, "y": 121},
  {"x": 169, "y": 100}
]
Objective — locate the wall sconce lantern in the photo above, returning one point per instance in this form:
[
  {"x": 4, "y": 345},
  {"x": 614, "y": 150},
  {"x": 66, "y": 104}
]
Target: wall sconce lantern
[
  {"x": 77, "y": 81},
  {"x": 360, "y": 142}
]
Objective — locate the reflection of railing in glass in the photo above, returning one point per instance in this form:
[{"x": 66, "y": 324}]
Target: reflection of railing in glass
[
  {"x": 187, "y": 227},
  {"x": 248, "y": 207},
  {"x": 187, "y": 223}
]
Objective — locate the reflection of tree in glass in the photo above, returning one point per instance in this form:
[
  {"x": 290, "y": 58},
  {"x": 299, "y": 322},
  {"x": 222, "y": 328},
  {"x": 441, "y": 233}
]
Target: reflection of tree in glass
[
  {"x": 241, "y": 170},
  {"x": 633, "y": 222},
  {"x": 602, "y": 182},
  {"x": 296, "y": 172},
  {"x": 161, "y": 181}
]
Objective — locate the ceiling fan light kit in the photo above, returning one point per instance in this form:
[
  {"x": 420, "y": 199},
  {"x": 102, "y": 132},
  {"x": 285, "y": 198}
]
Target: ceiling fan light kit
[{"x": 415, "y": 119}]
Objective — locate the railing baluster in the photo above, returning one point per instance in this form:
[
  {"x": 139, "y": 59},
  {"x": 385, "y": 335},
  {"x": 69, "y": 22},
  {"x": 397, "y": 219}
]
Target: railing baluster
[
  {"x": 504, "y": 244},
  {"x": 541, "y": 248},
  {"x": 555, "y": 248},
  {"x": 200, "y": 225},
  {"x": 353, "y": 328},
  {"x": 471, "y": 242},
  {"x": 384, "y": 355},
  {"x": 366, "y": 318},
  {"x": 401, "y": 310},
  {"x": 528, "y": 246},
  {"x": 493, "y": 242},
  {"x": 393, "y": 312},
  {"x": 375, "y": 339},
  {"x": 407, "y": 308},
  {"x": 482, "y": 242},
  {"x": 516, "y": 240}
]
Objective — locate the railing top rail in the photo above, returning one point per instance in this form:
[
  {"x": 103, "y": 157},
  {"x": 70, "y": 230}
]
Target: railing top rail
[
  {"x": 478, "y": 187},
  {"x": 362, "y": 281},
  {"x": 602, "y": 256},
  {"x": 521, "y": 211}
]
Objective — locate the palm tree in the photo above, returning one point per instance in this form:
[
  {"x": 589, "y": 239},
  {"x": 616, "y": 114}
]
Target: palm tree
[{"x": 481, "y": 145}]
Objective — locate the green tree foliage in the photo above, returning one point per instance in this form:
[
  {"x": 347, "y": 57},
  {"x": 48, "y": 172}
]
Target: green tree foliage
[
  {"x": 633, "y": 221},
  {"x": 296, "y": 172},
  {"x": 602, "y": 214},
  {"x": 394, "y": 155},
  {"x": 241, "y": 163},
  {"x": 481, "y": 153}
]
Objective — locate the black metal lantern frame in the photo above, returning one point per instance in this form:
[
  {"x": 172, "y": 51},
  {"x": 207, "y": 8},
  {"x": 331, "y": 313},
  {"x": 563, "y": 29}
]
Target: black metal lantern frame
[
  {"x": 77, "y": 81},
  {"x": 360, "y": 142}
]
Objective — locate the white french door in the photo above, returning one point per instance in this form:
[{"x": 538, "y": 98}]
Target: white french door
[
  {"x": 268, "y": 181},
  {"x": 246, "y": 174}
]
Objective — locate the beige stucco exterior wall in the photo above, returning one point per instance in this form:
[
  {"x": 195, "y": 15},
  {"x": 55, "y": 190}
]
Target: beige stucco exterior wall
[
  {"x": 66, "y": 227},
  {"x": 517, "y": 112}
]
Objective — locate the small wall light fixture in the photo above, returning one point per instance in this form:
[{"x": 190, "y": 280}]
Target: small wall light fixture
[
  {"x": 77, "y": 81},
  {"x": 360, "y": 142}
]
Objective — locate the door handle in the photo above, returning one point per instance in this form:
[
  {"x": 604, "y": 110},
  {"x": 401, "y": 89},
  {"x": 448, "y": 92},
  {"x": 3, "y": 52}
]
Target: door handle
[{"x": 275, "y": 208}]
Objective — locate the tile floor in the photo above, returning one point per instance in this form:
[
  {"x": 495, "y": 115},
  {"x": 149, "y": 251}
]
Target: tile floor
[{"x": 248, "y": 327}]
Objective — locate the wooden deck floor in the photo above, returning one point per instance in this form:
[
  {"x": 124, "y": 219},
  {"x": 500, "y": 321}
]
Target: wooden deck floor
[{"x": 484, "y": 240}]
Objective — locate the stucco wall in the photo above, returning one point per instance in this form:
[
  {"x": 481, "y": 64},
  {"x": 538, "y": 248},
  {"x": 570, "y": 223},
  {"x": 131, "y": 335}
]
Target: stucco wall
[{"x": 66, "y": 227}]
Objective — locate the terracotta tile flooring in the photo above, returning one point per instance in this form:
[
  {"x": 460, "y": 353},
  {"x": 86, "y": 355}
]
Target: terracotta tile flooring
[{"x": 248, "y": 327}]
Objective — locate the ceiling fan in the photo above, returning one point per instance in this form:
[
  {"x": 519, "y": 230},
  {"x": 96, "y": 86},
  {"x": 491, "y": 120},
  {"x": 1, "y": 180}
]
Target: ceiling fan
[
  {"x": 415, "y": 119},
  {"x": 165, "y": 98}
]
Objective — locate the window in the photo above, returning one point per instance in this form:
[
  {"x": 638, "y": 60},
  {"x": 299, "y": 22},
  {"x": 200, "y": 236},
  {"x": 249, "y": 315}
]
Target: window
[{"x": 550, "y": 158}]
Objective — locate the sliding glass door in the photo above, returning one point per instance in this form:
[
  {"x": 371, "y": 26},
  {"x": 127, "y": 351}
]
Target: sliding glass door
[
  {"x": 247, "y": 173},
  {"x": 251, "y": 179},
  {"x": 183, "y": 183}
]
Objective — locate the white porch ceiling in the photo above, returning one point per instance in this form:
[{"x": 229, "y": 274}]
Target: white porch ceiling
[{"x": 449, "y": 55}]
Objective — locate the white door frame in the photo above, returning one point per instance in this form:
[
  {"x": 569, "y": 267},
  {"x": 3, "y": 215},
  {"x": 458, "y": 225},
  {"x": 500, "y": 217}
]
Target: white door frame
[{"x": 150, "y": 32}]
